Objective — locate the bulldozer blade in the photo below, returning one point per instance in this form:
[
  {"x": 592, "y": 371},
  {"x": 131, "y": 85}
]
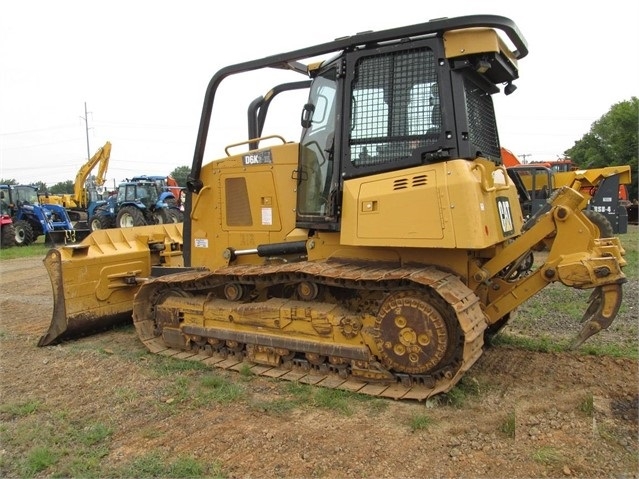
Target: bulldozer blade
[
  {"x": 68, "y": 324},
  {"x": 604, "y": 303},
  {"x": 94, "y": 282}
]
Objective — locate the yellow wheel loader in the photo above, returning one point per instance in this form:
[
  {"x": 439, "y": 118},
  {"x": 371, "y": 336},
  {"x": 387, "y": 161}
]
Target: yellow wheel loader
[{"x": 375, "y": 254}]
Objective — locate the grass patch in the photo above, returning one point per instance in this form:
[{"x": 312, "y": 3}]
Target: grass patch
[
  {"x": 420, "y": 422},
  {"x": 509, "y": 425},
  {"x": 54, "y": 445},
  {"x": 21, "y": 409},
  {"x": 630, "y": 350},
  {"x": 334, "y": 399},
  {"x": 217, "y": 389},
  {"x": 466, "y": 388},
  {"x": 126, "y": 395},
  {"x": 154, "y": 464},
  {"x": 547, "y": 455},
  {"x": 201, "y": 390},
  {"x": 37, "y": 460},
  {"x": 546, "y": 344},
  {"x": 35, "y": 249},
  {"x": 339, "y": 400},
  {"x": 92, "y": 434},
  {"x": 587, "y": 405},
  {"x": 245, "y": 372}
]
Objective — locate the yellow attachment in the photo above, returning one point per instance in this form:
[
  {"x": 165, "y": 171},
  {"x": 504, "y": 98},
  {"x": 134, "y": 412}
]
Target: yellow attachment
[
  {"x": 458, "y": 43},
  {"x": 592, "y": 177},
  {"x": 577, "y": 258},
  {"x": 95, "y": 281},
  {"x": 604, "y": 306}
]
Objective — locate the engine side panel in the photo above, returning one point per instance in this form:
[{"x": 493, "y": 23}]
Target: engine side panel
[
  {"x": 244, "y": 203},
  {"x": 454, "y": 204}
]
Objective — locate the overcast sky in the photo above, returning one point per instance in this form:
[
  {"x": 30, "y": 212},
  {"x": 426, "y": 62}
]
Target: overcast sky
[{"x": 142, "y": 67}]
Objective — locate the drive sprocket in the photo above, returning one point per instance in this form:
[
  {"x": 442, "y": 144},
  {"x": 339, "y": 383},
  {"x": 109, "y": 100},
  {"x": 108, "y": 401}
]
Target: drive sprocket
[{"x": 414, "y": 332}]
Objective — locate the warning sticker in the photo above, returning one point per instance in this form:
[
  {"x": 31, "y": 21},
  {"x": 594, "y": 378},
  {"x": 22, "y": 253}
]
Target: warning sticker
[
  {"x": 201, "y": 243},
  {"x": 267, "y": 216}
]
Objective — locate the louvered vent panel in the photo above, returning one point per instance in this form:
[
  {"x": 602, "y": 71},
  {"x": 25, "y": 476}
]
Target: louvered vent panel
[
  {"x": 415, "y": 181},
  {"x": 420, "y": 180},
  {"x": 400, "y": 184}
]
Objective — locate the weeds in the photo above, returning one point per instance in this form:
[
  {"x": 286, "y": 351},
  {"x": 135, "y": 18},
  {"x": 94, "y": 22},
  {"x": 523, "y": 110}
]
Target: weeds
[
  {"x": 508, "y": 427},
  {"x": 587, "y": 406},
  {"x": 154, "y": 464},
  {"x": 37, "y": 460},
  {"x": 21, "y": 409},
  {"x": 465, "y": 388},
  {"x": 420, "y": 422},
  {"x": 334, "y": 399},
  {"x": 216, "y": 389},
  {"x": 547, "y": 455}
]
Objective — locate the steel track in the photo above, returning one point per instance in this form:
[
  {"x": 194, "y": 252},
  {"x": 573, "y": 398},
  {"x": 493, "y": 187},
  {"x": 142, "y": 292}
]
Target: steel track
[{"x": 447, "y": 286}]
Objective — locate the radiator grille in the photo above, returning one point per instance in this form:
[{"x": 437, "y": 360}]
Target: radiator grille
[{"x": 238, "y": 206}]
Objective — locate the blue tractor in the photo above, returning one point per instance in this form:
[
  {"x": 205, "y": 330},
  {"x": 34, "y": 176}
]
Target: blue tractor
[
  {"x": 169, "y": 192},
  {"x": 137, "y": 203},
  {"x": 32, "y": 219}
]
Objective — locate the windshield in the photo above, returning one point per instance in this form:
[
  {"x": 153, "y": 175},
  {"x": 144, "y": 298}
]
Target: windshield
[
  {"x": 316, "y": 154},
  {"x": 25, "y": 195},
  {"x": 147, "y": 193}
]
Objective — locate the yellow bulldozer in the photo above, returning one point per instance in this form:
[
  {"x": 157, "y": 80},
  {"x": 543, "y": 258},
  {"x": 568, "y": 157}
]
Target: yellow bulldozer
[{"x": 377, "y": 253}]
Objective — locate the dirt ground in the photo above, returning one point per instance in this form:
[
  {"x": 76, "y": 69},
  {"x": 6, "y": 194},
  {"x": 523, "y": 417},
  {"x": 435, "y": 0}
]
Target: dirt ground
[{"x": 105, "y": 378}]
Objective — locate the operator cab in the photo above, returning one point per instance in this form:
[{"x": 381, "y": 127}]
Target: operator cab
[{"x": 405, "y": 103}]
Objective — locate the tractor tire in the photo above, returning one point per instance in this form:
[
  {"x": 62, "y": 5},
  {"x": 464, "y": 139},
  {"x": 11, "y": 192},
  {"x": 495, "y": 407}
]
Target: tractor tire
[
  {"x": 129, "y": 216},
  {"x": 100, "y": 222},
  {"x": 8, "y": 237},
  {"x": 176, "y": 215},
  {"x": 24, "y": 235},
  {"x": 601, "y": 222},
  {"x": 162, "y": 217}
]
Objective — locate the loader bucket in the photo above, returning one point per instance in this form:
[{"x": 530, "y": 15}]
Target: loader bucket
[
  {"x": 63, "y": 237},
  {"x": 94, "y": 282}
]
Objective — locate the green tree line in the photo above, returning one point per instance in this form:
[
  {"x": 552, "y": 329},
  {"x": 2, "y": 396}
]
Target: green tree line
[{"x": 612, "y": 140}]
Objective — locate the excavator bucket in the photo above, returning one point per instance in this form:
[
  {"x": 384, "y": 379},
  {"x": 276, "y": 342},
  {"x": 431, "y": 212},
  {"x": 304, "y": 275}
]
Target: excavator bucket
[{"x": 94, "y": 282}]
